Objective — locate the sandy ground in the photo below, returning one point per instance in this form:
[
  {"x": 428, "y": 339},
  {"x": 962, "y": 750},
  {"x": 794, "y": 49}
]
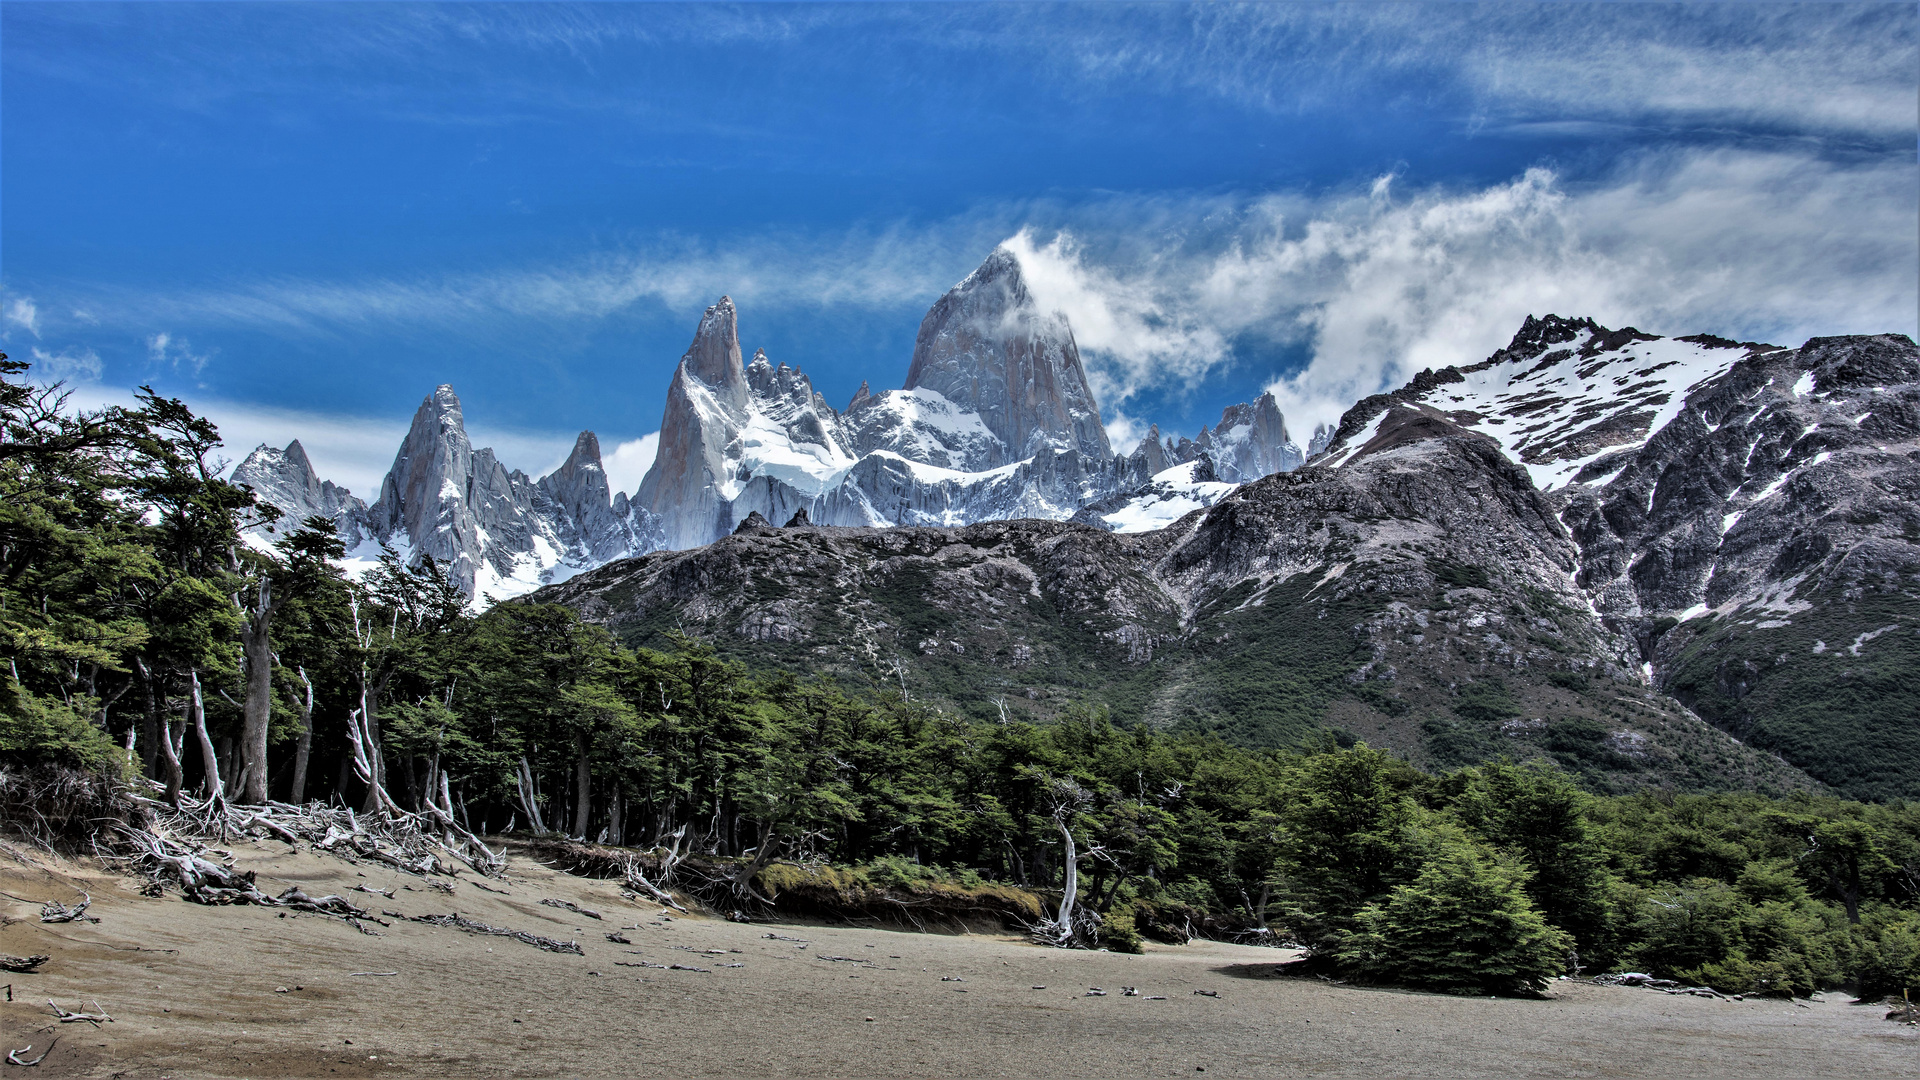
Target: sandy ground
[{"x": 193, "y": 993}]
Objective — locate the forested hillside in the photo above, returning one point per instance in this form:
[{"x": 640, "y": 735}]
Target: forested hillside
[{"x": 148, "y": 645}]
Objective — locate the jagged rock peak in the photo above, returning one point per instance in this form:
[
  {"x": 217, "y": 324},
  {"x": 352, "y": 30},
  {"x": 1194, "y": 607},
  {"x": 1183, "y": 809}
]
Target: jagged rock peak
[
  {"x": 1537, "y": 336},
  {"x": 285, "y": 478},
  {"x": 799, "y": 520},
  {"x": 988, "y": 348},
  {"x": 714, "y": 356},
  {"x": 862, "y": 396},
  {"x": 753, "y": 520},
  {"x": 582, "y": 479}
]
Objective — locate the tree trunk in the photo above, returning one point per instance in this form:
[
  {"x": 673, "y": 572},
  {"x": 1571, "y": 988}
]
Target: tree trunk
[
  {"x": 1070, "y": 890},
  {"x": 256, "y": 645},
  {"x": 582, "y": 787},
  {"x": 529, "y": 796},
  {"x": 616, "y": 814},
  {"x": 197, "y": 713},
  {"x": 150, "y": 722},
  {"x": 368, "y": 736},
  {"x": 303, "y": 744}
]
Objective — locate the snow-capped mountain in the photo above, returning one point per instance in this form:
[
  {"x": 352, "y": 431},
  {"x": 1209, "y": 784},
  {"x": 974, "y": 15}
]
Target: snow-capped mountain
[
  {"x": 1564, "y": 395},
  {"x": 286, "y": 480},
  {"x": 498, "y": 532},
  {"x": 995, "y": 420}
]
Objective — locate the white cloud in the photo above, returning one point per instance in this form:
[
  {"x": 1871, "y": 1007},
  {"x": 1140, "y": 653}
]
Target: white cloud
[
  {"x": 177, "y": 353},
  {"x": 70, "y": 365},
  {"x": 627, "y": 465},
  {"x": 1822, "y": 69},
  {"x": 1379, "y": 284},
  {"x": 1133, "y": 328},
  {"x": 23, "y": 312},
  {"x": 1123, "y": 432},
  {"x": 860, "y": 268}
]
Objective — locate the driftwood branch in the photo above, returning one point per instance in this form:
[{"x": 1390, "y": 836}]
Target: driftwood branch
[
  {"x": 471, "y": 926},
  {"x": 52, "y": 911},
  {"x": 94, "y": 1018},
  {"x": 14, "y": 1058},
  {"x": 24, "y": 965}
]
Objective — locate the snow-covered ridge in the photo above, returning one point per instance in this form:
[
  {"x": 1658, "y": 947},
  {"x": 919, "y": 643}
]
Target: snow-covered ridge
[{"x": 1564, "y": 396}]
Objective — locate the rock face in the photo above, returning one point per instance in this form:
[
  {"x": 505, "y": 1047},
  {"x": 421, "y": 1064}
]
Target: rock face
[
  {"x": 498, "y": 532},
  {"x": 1743, "y": 513},
  {"x": 988, "y": 348},
  {"x": 1251, "y": 441},
  {"x": 286, "y": 480}
]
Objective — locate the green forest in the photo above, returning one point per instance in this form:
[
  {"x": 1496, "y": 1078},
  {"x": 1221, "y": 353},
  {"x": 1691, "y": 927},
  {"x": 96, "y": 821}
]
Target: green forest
[{"x": 149, "y": 643}]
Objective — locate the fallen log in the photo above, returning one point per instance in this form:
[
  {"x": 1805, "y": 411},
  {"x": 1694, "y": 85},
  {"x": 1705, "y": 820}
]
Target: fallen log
[
  {"x": 472, "y": 926},
  {"x": 23, "y": 965},
  {"x": 571, "y": 906}
]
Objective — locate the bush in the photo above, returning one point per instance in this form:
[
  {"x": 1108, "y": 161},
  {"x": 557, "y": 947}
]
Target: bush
[
  {"x": 1714, "y": 934},
  {"x": 1464, "y": 924},
  {"x": 1888, "y": 955},
  {"x": 1117, "y": 932},
  {"x": 40, "y": 731}
]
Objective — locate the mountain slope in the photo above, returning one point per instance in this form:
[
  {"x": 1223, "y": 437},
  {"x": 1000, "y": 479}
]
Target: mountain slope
[
  {"x": 1419, "y": 595},
  {"x": 1744, "y": 513}
]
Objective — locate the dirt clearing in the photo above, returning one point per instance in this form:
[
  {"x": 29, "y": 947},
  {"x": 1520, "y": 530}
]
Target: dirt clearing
[{"x": 241, "y": 991}]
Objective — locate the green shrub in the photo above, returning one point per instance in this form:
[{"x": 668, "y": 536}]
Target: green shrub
[
  {"x": 36, "y": 730},
  {"x": 1464, "y": 924},
  {"x": 1888, "y": 955},
  {"x": 1117, "y": 932}
]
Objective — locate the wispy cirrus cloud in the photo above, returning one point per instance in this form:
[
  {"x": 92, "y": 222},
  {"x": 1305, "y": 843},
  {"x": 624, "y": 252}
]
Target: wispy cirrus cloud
[{"x": 859, "y": 268}]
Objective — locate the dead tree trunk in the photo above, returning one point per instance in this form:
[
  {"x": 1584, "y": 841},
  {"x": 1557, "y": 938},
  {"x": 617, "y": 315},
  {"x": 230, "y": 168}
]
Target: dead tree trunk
[
  {"x": 529, "y": 796},
  {"x": 197, "y": 715}
]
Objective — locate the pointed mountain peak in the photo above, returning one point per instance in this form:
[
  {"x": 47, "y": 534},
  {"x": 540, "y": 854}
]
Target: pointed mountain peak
[
  {"x": 297, "y": 455},
  {"x": 586, "y": 452},
  {"x": 714, "y": 356},
  {"x": 988, "y": 348},
  {"x": 861, "y": 396},
  {"x": 760, "y": 360}
]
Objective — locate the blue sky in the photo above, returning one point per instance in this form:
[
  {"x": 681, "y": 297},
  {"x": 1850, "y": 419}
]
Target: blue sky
[{"x": 301, "y": 217}]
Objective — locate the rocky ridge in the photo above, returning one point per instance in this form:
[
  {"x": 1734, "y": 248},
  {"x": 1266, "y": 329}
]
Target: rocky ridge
[{"x": 1562, "y": 551}]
